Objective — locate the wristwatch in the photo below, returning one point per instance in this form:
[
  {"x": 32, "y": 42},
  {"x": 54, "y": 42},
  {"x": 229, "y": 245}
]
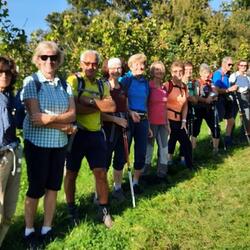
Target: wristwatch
[{"x": 91, "y": 101}]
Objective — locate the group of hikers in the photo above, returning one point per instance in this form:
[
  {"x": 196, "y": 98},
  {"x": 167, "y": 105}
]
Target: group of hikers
[{"x": 98, "y": 118}]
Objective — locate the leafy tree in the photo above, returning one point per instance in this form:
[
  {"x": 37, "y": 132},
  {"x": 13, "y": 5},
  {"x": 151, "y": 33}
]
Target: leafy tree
[{"x": 13, "y": 41}]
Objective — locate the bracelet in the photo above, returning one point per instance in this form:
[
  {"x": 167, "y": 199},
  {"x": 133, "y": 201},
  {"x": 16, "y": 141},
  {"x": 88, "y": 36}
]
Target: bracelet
[{"x": 184, "y": 120}]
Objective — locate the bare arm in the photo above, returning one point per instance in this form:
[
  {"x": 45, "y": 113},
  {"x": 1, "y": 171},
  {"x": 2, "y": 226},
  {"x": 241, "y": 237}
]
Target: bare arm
[
  {"x": 67, "y": 128},
  {"x": 228, "y": 90},
  {"x": 117, "y": 120},
  {"x": 41, "y": 119},
  {"x": 84, "y": 109},
  {"x": 193, "y": 99},
  {"x": 104, "y": 105},
  {"x": 184, "y": 111}
]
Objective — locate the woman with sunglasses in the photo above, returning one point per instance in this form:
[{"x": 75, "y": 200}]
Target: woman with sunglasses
[
  {"x": 10, "y": 151},
  {"x": 50, "y": 113},
  {"x": 242, "y": 80}
]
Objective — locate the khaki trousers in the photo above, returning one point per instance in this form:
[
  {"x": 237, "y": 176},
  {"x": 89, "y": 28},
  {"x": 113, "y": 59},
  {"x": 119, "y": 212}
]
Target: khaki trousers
[{"x": 9, "y": 189}]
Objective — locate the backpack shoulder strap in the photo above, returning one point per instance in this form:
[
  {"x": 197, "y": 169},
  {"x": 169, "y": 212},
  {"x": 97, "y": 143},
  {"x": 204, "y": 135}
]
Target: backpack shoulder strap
[
  {"x": 64, "y": 84},
  {"x": 100, "y": 87},
  {"x": 170, "y": 86},
  {"x": 80, "y": 84},
  {"x": 37, "y": 82}
]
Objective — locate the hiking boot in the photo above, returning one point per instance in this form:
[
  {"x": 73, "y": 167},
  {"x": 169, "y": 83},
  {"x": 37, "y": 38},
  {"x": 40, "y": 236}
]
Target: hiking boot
[
  {"x": 146, "y": 170},
  {"x": 137, "y": 189},
  {"x": 170, "y": 162},
  {"x": 118, "y": 195},
  {"x": 31, "y": 241},
  {"x": 73, "y": 214},
  {"x": 104, "y": 216},
  {"x": 162, "y": 170},
  {"x": 46, "y": 238}
]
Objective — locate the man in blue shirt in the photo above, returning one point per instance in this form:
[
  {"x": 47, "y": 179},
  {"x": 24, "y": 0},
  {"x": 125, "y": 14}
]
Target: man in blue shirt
[{"x": 225, "y": 103}]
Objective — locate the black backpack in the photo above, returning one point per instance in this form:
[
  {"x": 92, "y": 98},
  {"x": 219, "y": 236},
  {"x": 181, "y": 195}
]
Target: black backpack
[
  {"x": 19, "y": 107},
  {"x": 81, "y": 87}
]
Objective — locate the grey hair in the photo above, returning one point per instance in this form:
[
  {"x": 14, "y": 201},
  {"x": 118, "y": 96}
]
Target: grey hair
[
  {"x": 226, "y": 59},
  {"x": 113, "y": 61},
  {"x": 84, "y": 53},
  {"x": 47, "y": 45},
  {"x": 204, "y": 67}
]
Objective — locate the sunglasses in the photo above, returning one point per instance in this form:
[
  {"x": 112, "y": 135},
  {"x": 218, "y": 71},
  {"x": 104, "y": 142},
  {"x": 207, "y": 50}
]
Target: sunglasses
[
  {"x": 52, "y": 58},
  {"x": 230, "y": 65},
  {"x": 243, "y": 65}
]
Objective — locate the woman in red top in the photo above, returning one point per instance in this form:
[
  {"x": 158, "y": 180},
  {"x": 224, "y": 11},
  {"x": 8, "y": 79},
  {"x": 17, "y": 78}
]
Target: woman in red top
[{"x": 157, "y": 115}]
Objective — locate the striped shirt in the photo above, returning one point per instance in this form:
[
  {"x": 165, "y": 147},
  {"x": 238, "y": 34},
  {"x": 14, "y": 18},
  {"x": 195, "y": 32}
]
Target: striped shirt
[{"x": 53, "y": 100}]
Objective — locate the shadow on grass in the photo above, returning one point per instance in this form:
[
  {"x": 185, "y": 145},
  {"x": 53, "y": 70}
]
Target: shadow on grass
[{"x": 203, "y": 158}]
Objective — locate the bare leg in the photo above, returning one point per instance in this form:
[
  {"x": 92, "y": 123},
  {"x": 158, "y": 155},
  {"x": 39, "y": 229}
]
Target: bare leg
[
  {"x": 30, "y": 211},
  {"x": 70, "y": 185},
  {"x": 118, "y": 176},
  {"x": 193, "y": 141},
  {"x": 137, "y": 174},
  {"x": 170, "y": 157},
  {"x": 101, "y": 185},
  {"x": 216, "y": 143},
  {"x": 49, "y": 207},
  {"x": 229, "y": 126}
]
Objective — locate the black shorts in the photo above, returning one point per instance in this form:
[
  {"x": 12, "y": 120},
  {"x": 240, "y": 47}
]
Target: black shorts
[
  {"x": 225, "y": 107},
  {"x": 44, "y": 168},
  {"x": 91, "y": 145}
]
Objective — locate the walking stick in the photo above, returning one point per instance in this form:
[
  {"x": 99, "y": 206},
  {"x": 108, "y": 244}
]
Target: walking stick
[
  {"x": 191, "y": 120},
  {"x": 216, "y": 119},
  {"x": 242, "y": 115},
  {"x": 125, "y": 141}
]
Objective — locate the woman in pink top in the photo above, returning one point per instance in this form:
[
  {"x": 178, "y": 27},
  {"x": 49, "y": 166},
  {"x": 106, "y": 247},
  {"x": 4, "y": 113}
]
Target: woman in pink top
[{"x": 157, "y": 115}]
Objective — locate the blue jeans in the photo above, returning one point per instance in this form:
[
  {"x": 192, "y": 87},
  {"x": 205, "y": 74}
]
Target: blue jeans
[{"x": 139, "y": 132}]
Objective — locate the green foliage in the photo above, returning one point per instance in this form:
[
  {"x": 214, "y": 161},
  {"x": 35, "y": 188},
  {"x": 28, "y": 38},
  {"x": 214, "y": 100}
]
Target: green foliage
[
  {"x": 163, "y": 30},
  {"x": 13, "y": 41}
]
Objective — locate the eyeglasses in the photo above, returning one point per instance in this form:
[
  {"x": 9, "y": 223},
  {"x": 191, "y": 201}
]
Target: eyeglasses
[
  {"x": 94, "y": 64},
  {"x": 52, "y": 58},
  {"x": 243, "y": 65},
  {"x": 230, "y": 65}
]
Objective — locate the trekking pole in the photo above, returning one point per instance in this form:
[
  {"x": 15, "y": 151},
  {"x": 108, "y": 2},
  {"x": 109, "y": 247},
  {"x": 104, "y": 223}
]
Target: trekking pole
[
  {"x": 242, "y": 116},
  {"x": 125, "y": 141},
  {"x": 191, "y": 121},
  {"x": 215, "y": 120}
]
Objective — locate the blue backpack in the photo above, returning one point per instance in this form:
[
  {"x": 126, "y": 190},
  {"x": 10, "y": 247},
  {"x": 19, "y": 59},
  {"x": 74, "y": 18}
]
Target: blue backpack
[{"x": 19, "y": 107}]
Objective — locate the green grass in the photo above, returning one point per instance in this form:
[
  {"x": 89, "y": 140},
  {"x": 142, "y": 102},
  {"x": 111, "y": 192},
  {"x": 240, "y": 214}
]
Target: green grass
[{"x": 208, "y": 209}]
